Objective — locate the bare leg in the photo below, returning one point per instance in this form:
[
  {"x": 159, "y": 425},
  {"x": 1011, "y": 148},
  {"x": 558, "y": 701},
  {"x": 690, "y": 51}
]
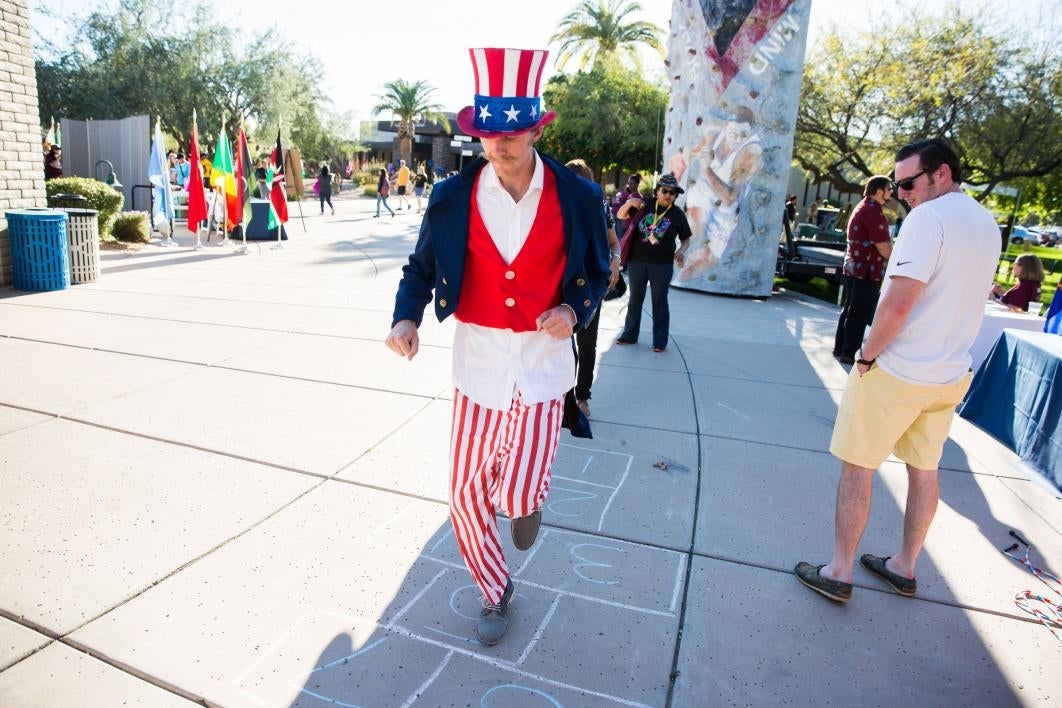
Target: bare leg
[
  {"x": 853, "y": 510},
  {"x": 923, "y": 492}
]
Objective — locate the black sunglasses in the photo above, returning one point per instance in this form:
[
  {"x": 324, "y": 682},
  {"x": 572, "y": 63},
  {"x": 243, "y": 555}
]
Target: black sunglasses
[
  {"x": 907, "y": 184},
  {"x": 669, "y": 192}
]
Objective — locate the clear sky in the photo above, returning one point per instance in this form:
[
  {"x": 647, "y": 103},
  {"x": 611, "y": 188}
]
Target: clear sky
[{"x": 363, "y": 43}]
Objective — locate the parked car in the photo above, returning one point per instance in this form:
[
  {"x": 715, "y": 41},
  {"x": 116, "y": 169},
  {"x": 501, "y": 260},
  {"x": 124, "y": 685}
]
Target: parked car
[{"x": 1020, "y": 235}]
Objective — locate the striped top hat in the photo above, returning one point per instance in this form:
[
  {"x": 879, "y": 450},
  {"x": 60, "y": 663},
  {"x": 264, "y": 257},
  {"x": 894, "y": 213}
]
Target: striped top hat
[{"x": 508, "y": 97}]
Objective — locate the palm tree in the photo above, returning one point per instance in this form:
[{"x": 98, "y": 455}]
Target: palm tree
[
  {"x": 596, "y": 29},
  {"x": 409, "y": 102}
]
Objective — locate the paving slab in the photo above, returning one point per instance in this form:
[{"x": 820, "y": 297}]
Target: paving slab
[
  {"x": 139, "y": 284},
  {"x": 78, "y": 298},
  {"x": 791, "y": 493},
  {"x": 110, "y": 516},
  {"x": 303, "y": 598},
  {"x": 305, "y": 425},
  {"x": 374, "y": 325},
  {"x": 646, "y": 398},
  {"x": 764, "y": 363},
  {"x": 58, "y": 676},
  {"x": 353, "y": 362},
  {"x": 180, "y": 341},
  {"x": 12, "y": 419},
  {"x": 60, "y": 380},
  {"x": 18, "y": 642},
  {"x": 757, "y": 637},
  {"x": 602, "y": 485},
  {"x": 780, "y": 414},
  {"x": 273, "y": 293}
]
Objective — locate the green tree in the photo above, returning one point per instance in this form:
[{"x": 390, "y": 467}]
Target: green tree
[
  {"x": 597, "y": 29},
  {"x": 864, "y": 95},
  {"x": 146, "y": 58},
  {"x": 608, "y": 117},
  {"x": 409, "y": 102}
]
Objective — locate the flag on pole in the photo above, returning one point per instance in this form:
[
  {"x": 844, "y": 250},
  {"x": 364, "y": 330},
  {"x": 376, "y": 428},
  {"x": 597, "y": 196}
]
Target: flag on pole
[
  {"x": 244, "y": 174},
  {"x": 224, "y": 178},
  {"x": 158, "y": 176},
  {"x": 197, "y": 208},
  {"x": 278, "y": 198}
]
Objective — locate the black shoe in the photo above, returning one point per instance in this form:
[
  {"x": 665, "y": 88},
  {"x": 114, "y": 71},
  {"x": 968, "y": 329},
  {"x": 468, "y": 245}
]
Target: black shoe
[
  {"x": 525, "y": 529},
  {"x": 907, "y": 587},
  {"x": 847, "y": 360},
  {"x": 494, "y": 618},
  {"x": 833, "y": 589}
]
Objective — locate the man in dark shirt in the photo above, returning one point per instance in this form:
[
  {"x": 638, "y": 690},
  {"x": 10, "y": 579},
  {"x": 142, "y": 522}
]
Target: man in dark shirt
[
  {"x": 868, "y": 249},
  {"x": 628, "y": 192}
]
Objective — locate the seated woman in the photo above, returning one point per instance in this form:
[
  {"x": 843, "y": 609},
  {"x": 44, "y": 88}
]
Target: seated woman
[{"x": 1029, "y": 272}]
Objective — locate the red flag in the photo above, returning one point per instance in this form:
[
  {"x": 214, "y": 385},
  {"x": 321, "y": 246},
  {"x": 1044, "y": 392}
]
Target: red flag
[
  {"x": 277, "y": 194},
  {"x": 243, "y": 175},
  {"x": 197, "y": 208}
]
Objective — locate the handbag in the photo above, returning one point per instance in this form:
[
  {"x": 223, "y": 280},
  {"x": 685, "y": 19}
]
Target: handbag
[
  {"x": 618, "y": 290},
  {"x": 628, "y": 237},
  {"x": 385, "y": 189}
]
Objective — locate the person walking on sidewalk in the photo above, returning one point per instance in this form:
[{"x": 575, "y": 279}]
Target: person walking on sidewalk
[
  {"x": 914, "y": 367},
  {"x": 402, "y": 184},
  {"x": 515, "y": 249},
  {"x": 324, "y": 188},
  {"x": 868, "y": 251},
  {"x": 383, "y": 188},
  {"x": 420, "y": 185}
]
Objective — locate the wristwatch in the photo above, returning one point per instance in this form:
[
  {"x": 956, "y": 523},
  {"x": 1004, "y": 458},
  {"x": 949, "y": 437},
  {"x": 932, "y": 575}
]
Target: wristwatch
[{"x": 864, "y": 362}]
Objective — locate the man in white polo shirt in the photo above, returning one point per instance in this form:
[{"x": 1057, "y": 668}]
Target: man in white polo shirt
[{"x": 914, "y": 367}]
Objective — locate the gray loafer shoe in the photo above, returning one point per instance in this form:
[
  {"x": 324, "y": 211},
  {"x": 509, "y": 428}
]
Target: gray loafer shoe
[
  {"x": 525, "y": 529},
  {"x": 494, "y": 618},
  {"x": 904, "y": 586},
  {"x": 834, "y": 589}
]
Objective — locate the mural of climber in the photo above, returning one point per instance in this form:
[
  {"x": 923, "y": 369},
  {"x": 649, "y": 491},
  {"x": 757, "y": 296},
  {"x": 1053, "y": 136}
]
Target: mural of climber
[{"x": 735, "y": 70}]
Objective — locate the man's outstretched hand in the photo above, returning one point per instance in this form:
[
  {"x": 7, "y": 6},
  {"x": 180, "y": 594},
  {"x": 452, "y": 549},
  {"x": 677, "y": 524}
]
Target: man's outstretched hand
[
  {"x": 557, "y": 322},
  {"x": 404, "y": 339}
]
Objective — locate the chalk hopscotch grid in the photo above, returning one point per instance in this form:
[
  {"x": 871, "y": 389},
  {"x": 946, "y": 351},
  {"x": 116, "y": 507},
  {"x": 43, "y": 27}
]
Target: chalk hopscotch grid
[{"x": 297, "y": 681}]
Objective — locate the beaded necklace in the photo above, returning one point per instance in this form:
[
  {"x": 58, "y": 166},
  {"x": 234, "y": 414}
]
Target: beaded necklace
[{"x": 656, "y": 220}]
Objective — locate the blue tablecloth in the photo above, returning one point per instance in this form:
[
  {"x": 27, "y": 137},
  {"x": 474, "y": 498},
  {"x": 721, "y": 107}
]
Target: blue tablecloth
[
  {"x": 1017, "y": 397},
  {"x": 259, "y": 229}
]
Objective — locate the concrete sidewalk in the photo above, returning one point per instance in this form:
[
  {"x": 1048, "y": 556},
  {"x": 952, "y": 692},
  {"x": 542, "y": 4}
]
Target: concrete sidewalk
[{"x": 219, "y": 486}]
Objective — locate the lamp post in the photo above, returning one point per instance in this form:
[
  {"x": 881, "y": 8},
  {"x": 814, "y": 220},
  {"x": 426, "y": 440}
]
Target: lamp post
[{"x": 112, "y": 178}]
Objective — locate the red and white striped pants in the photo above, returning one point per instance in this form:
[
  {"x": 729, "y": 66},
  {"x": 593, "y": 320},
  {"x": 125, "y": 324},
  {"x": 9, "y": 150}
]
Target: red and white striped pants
[{"x": 499, "y": 460}]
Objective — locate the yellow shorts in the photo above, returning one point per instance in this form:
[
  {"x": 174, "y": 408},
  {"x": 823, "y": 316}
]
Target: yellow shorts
[{"x": 880, "y": 414}]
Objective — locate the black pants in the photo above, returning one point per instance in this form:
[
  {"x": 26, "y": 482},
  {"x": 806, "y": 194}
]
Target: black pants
[
  {"x": 586, "y": 346},
  {"x": 658, "y": 277},
  {"x": 857, "y": 313},
  {"x": 326, "y": 197}
]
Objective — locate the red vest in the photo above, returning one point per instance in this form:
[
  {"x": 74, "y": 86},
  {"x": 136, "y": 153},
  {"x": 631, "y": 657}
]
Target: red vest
[{"x": 512, "y": 296}]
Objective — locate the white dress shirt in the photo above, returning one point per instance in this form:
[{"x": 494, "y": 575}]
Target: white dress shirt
[{"x": 490, "y": 364}]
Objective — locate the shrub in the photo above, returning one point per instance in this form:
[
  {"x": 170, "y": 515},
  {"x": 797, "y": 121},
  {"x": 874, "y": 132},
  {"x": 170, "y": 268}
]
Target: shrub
[
  {"x": 101, "y": 197},
  {"x": 132, "y": 227},
  {"x": 369, "y": 190}
]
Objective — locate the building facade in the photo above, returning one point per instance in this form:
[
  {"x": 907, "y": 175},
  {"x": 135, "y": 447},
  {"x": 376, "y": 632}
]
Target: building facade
[{"x": 21, "y": 158}]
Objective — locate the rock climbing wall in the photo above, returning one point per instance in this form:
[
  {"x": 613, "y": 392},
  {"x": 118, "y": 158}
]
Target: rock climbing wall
[{"x": 735, "y": 68}]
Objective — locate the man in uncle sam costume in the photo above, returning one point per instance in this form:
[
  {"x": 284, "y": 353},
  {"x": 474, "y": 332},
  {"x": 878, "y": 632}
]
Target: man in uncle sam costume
[{"x": 515, "y": 248}]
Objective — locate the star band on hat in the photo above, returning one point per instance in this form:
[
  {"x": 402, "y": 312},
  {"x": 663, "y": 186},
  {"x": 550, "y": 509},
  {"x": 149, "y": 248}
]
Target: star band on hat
[{"x": 508, "y": 92}]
